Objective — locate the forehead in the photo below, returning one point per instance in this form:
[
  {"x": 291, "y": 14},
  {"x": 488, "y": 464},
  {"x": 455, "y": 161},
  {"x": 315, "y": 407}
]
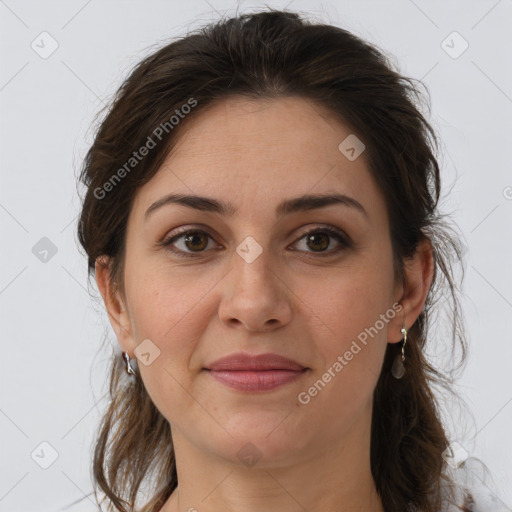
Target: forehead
[
  {"x": 262, "y": 129},
  {"x": 254, "y": 153}
]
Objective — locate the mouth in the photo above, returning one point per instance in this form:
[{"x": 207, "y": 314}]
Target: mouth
[{"x": 250, "y": 373}]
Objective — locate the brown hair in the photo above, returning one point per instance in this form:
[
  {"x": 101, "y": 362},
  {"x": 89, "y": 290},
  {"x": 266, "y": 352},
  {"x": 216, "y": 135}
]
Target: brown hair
[{"x": 268, "y": 55}]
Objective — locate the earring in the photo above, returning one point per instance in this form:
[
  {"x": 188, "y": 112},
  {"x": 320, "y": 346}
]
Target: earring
[
  {"x": 398, "y": 368},
  {"x": 129, "y": 368}
]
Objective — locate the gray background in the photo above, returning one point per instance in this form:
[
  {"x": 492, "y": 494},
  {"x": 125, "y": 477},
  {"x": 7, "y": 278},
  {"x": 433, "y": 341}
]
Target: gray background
[{"x": 52, "y": 373}]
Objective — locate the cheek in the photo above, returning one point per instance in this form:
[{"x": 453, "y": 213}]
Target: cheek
[
  {"x": 172, "y": 310},
  {"x": 347, "y": 303},
  {"x": 342, "y": 387},
  {"x": 167, "y": 305},
  {"x": 349, "y": 318}
]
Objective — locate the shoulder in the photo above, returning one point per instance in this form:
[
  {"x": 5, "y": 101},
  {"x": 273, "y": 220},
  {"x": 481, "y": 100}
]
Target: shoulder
[
  {"x": 483, "y": 500},
  {"x": 471, "y": 494}
]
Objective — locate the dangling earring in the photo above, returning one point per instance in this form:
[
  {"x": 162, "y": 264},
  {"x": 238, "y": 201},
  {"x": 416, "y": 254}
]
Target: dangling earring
[
  {"x": 398, "y": 368},
  {"x": 128, "y": 368}
]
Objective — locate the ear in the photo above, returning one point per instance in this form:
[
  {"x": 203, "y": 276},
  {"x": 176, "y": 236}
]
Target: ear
[
  {"x": 114, "y": 304},
  {"x": 419, "y": 272}
]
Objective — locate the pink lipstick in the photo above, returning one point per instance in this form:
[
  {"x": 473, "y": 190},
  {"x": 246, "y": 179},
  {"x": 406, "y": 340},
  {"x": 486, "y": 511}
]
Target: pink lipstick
[{"x": 250, "y": 373}]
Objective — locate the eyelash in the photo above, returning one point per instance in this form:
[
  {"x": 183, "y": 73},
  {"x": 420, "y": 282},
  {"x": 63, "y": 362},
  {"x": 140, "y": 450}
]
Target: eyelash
[{"x": 332, "y": 232}]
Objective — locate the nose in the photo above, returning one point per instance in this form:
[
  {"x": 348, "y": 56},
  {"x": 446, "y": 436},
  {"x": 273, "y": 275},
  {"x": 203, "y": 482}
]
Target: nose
[{"x": 255, "y": 296}]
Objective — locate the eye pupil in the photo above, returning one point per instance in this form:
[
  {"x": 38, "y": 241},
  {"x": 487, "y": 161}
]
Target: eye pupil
[
  {"x": 311, "y": 238},
  {"x": 193, "y": 237}
]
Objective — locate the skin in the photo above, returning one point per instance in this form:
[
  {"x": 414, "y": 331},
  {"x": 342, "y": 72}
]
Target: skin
[{"x": 295, "y": 303}]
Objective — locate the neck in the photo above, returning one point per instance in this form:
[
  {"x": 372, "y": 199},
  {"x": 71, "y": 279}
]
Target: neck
[{"x": 324, "y": 477}]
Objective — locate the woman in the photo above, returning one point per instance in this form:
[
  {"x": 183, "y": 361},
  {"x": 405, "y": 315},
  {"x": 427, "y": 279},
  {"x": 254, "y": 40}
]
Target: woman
[{"x": 261, "y": 220}]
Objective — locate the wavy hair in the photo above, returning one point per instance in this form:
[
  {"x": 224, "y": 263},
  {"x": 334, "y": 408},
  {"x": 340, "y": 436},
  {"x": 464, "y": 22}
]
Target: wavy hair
[{"x": 270, "y": 55}]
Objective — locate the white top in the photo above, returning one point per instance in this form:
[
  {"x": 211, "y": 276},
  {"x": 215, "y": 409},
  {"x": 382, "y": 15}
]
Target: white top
[{"x": 484, "y": 497}]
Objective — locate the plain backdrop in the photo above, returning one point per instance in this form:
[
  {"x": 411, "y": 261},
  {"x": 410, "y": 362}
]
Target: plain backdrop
[{"x": 62, "y": 61}]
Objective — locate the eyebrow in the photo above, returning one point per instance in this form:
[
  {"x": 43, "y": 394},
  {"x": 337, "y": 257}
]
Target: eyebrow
[{"x": 296, "y": 204}]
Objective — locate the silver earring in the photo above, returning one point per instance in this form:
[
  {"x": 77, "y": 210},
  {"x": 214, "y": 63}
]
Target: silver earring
[
  {"x": 398, "y": 368},
  {"x": 128, "y": 368}
]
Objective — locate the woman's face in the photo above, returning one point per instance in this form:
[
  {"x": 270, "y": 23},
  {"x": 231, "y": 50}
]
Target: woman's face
[{"x": 250, "y": 280}]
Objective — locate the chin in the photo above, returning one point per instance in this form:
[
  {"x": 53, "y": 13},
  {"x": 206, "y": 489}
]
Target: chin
[{"x": 259, "y": 442}]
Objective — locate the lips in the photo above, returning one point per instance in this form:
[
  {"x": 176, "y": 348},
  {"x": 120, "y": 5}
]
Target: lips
[
  {"x": 248, "y": 373},
  {"x": 262, "y": 362}
]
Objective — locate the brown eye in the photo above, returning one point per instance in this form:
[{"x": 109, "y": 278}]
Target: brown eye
[
  {"x": 318, "y": 240},
  {"x": 197, "y": 241},
  {"x": 187, "y": 243}
]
